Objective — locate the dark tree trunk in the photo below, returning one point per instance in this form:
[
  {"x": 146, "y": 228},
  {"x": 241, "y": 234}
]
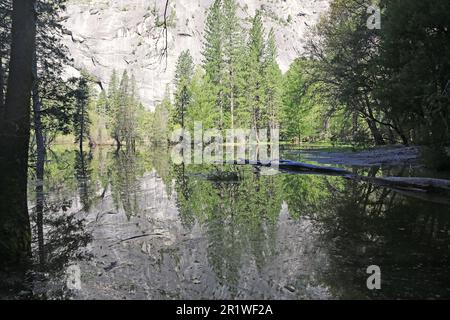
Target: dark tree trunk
[
  {"x": 15, "y": 234},
  {"x": 2, "y": 86},
  {"x": 377, "y": 136},
  {"x": 372, "y": 123},
  {"x": 399, "y": 131},
  {"x": 80, "y": 138},
  {"x": 404, "y": 138},
  {"x": 40, "y": 163},
  {"x": 118, "y": 143}
]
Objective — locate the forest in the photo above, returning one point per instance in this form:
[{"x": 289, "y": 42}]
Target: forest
[{"x": 353, "y": 86}]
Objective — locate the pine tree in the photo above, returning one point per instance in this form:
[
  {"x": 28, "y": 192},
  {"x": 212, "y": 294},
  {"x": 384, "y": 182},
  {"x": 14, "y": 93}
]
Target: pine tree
[
  {"x": 113, "y": 88},
  {"x": 184, "y": 69},
  {"x": 202, "y": 107},
  {"x": 161, "y": 120},
  {"x": 131, "y": 114},
  {"x": 273, "y": 78},
  {"x": 233, "y": 46},
  {"x": 255, "y": 67},
  {"x": 81, "y": 120},
  {"x": 102, "y": 104},
  {"x": 113, "y": 106},
  {"x": 213, "y": 54},
  {"x": 183, "y": 75},
  {"x": 213, "y": 49},
  {"x": 223, "y": 54},
  {"x": 119, "y": 116},
  {"x": 5, "y": 35},
  {"x": 15, "y": 235},
  {"x": 124, "y": 108}
]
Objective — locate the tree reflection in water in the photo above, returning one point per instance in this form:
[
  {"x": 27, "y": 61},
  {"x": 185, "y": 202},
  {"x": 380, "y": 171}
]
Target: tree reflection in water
[
  {"x": 190, "y": 231},
  {"x": 408, "y": 238},
  {"x": 59, "y": 235}
]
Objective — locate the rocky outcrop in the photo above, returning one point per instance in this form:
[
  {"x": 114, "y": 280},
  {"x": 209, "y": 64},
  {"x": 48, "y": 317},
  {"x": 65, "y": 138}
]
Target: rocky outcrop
[{"x": 116, "y": 34}]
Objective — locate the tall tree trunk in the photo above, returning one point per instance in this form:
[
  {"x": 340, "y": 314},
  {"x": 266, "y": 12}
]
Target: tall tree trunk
[
  {"x": 182, "y": 114},
  {"x": 372, "y": 123},
  {"x": 40, "y": 162},
  {"x": 118, "y": 143},
  {"x": 81, "y": 136},
  {"x": 354, "y": 123},
  {"x": 232, "y": 99},
  {"x": 15, "y": 234},
  {"x": 232, "y": 108},
  {"x": 400, "y": 132},
  {"x": 2, "y": 86},
  {"x": 377, "y": 136}
]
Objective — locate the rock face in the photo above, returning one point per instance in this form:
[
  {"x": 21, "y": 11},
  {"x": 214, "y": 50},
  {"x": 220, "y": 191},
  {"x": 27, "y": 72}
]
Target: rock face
[{"x": 127, "y": 35}]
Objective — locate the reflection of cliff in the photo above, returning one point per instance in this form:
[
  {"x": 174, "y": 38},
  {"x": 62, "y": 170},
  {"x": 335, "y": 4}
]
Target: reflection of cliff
[
  {"x": 162, "y": 231},
  {"x": 243, "y": 248}
]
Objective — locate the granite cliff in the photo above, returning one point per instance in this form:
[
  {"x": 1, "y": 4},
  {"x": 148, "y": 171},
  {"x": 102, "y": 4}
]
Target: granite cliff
[{"x": 127, "y": 34}]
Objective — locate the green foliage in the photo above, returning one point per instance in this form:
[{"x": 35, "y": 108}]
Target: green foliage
[
  {"x": 183, "y": 75},
  {"x": 414, "y": 53},
  {"x": 242, "y": 71},
  {"x": 202, "y": 107},
  {"x": 390, "y": 82},
  {"x": 122, "y": 107},
  {"x": 273, "y": 82},
  {"x": 303, "y": 113},
  {"x": 160, "y": 124},
  {"x": 81, "y": 121}
]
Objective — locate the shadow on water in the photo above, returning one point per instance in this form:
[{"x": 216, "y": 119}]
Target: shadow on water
[
  {"x": 58, "y": 231},
  {"x": 139, "y": 227},
  {"x": 362, "y": 225}
]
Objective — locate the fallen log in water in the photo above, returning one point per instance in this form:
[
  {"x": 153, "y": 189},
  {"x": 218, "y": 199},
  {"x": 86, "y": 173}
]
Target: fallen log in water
[
  {"x": 408, "y": 185},
  {"x": 428, "y": 185},
  {"x": 292, "y": 166}
]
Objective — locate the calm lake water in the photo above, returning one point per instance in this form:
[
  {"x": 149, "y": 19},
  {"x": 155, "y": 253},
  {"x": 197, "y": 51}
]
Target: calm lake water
[{"x": 135, "y": 226}]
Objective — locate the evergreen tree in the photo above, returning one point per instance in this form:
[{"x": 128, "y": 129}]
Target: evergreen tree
[
  {"x": 5, "y": 35},
  {"x": 213, "y": 44},
  {"x": 102, "y": 104},
  {"x": 15, "y": 235},
  {"x": 273, "y": 78},
  {"x": 233, "y": 52},
  {"x": 183, "y": 75},
  {"x": 124, "y": 104},
  {"x": 213, "y": 55},
  {"x": 81, "y": 119},
  {"x": 161, "y": 121},
  {"x": 113, "y": 106},
  {"x": 255, "y": 66},
  {"x": 202, "y": 107},
  {"x": 98, "y": 117},
  {"x": 131, "y": 111}
]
